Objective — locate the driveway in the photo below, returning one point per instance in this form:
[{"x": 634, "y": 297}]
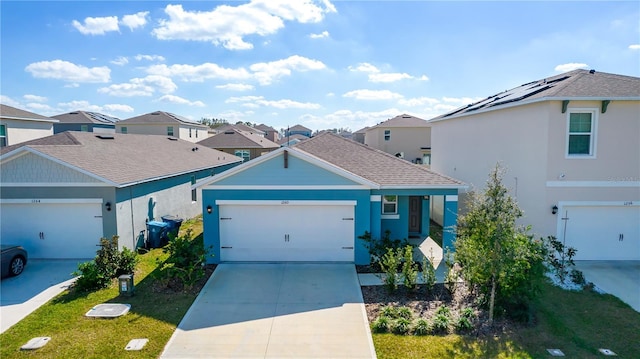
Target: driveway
[
  {"x": 276, "y": 311},
  {"x": 41, "y": 280},
  {"x": 619, "y": 278}
]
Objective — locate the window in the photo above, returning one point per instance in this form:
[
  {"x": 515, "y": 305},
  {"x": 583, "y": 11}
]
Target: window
[
  {"x": 389, "y": 204},
  {"x": 123, "y": 129},
  {"x": 84, "y": 128},
  {"x": 169, "y": 130},
  {"x": 194, "y": 193},
  {"x": 581, "y": 133},
  {"x": 189, "y": 133},
  {"x": 245, "y": 154},
  {"x": 387, "y": 135},
  {"x": 3, "y": 135}
]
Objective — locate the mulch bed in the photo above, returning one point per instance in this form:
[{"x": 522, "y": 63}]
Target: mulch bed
[{"x": 176, "y": 285}]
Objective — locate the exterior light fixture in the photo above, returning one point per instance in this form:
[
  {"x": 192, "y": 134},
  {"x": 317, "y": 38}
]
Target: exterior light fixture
[
  {"x": 554, "y": 209},
  {"x": 209, "y": 209},
  {"x": 108, "y": 206}
]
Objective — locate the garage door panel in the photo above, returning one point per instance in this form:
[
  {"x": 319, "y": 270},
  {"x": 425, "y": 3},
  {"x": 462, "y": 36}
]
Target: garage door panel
[
  {"x": 603, "y": 232},
  {"x": 287, "y": 232}
]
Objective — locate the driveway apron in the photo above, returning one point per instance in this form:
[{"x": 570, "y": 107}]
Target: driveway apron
[
  {"x": 619, "y": 278},
  {"x": 283, "y": 310}
]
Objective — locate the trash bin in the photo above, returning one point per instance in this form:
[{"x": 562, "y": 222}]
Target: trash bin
[
  {"x": 174, "y": 224},
  {"x": 125, "y": 283},
  {"x": 156, "y": 234}
]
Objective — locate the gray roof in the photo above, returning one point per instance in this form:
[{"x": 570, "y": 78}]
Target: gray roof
[
  {"x": 125, "y": 159},
  {"x": 296, "y": 137},
  {"x": 299, "y": 128},
  {"x": 265, "y": 128},
  {"x": 241, "y": 127},
  {"x": 374, "y": 165},
  {"x": 403, "y": 120},
  {"x": 577, "y": 84},
  {"x": 160, "y": 117},
  {"x": 18, "y": 114},
  {"x": 236, "y": 139},
  {"x": 85, "y": 117}
]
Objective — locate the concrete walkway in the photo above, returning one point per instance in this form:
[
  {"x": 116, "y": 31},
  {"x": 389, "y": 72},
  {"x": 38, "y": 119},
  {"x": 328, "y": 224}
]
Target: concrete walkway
[
  {"x": 276, "y": 311},
  {"x": 619, "y": 278}
]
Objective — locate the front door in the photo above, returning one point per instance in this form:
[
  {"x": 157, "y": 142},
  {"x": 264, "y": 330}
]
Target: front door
[{"x": 415, "y": 214}]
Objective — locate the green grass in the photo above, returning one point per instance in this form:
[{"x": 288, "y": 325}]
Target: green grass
[
  {"x": 578, "y": 323},
  {"x": 152, "y": 315}
]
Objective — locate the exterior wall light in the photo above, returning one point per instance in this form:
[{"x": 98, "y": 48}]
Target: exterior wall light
[
  {"x": 108, "y": 206},
  {"x": 554, "y": 209},
  {"x": 209, "y": 209}
]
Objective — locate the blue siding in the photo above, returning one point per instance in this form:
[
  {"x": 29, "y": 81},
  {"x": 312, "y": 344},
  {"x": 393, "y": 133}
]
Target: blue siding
[
  {"x": 272, "y": 172},
  {"x": 450, "y": 220},
  {"x": 399, "y": 227},
  {"x": 362, "y": 212}
]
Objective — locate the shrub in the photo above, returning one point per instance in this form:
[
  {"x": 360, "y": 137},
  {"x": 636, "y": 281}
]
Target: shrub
[
  {"x": 402, "y": 326},
  {"x": 381, "y": 325},
  {"x": 90, "y": 277},
  {"x": 577, "y": 277},
  {"x": 428, "y": 273},
  {"x": 404, "y": 312},
  {"x": 127, "y": 262},
  {"x": 389, "y": 266},
  {"x": 441, "y": 320},
  {"x": 108, "y": 264},
  {"x": 378, "y": 247},
  {"x": 421, "y": 327},
  {"x": 465, "y": 320},
  {"x": 186, "y": 259},
  {"x": 451, "y": 275},
  {"x": 389, "y": 311},
  {"x": 409, "y": 270}
]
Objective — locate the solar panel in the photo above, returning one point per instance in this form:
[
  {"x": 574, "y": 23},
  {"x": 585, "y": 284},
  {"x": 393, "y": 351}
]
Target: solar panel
[{"x": 520, "y": 93}]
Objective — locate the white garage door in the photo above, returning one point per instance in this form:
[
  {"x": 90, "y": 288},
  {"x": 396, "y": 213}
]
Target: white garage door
[
  {"x": 53, "y": 228},
  {"x": 602, "y": 232},
  {"x": 287, "y": 231}
]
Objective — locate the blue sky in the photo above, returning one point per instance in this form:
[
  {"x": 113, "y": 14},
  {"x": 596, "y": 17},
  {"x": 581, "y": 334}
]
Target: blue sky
[{"x": 317, "y": 63}]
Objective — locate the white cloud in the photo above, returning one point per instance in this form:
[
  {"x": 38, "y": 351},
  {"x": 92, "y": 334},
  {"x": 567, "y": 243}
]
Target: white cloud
[
  {"x": 67, "y": 71},
  {"x": 372, "y": 95},
  {"x": 141, "y": 57},
  {"x": 634, "y": 47},
  {"x": 418, "y": 101},
  {"x": 389, "y": 77},
  {"x": 180, "y": 101},
  {"x": 235, "y": 87},
  {"x": 141, "y": 87},
  {"x": 259, "y": 101},
  {"x": 571, "y": 66},
  {"x": 79, "y": 105},
  {"x": 118, "y": 108},
  {"x": 267, "y": 72},
  {"x": 321, "y": 35},
  {"x": 97, "y": 25},
  {"x": 72, "y": 85},
  {"x": 423, "y": 78},
  {"x": 35, "y": 98},
  {"x": 199, "y": 73},
  {"x": 6, "y": 100},
  {"x": 364, "y": 67},
  {"x": 39, "y": 107},
  {"x": 354, "y": 120},
  {"x": 120, "y": 61},
  {"x": 461, "y": 101},
  {"x": 135, "y": 20},
  {"x": 228, "y": 25}
]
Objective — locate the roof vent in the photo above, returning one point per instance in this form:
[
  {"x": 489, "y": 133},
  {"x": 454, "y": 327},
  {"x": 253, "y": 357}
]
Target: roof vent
[
  {"x": 105, "y": 137},
  {"x": 229, "y": 132},
  {"x": 592, "y": 71},
  {"x": 406, "y": 116},
  {"x": 155, "y": 113},
  {"x": 73, "y": 113},
  {"x": 194, "y": 149}
]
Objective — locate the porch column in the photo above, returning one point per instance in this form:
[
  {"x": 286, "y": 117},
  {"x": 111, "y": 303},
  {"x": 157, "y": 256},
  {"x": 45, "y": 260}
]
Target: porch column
[
  {"x": 376, "y": 216},
  {"x": 426, "y": 216},
  {"x": 450, "y": 220}
]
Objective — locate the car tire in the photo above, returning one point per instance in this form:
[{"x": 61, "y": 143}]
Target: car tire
[{"x": 16, "y": 266}]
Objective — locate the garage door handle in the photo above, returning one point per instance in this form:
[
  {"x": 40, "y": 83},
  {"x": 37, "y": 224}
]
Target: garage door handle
[
  {"x": 348, "y": 219},
  {"x": 224, "y": 218},
  {"x": 347, "y": 247},
  {"x": 621, "y": 237},
  {"x": 223, "y": 247}
]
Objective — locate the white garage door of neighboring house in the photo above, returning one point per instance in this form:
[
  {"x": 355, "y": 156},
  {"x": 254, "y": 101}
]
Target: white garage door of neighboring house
[
  {"x": 287, "y": 231},
  {"x": 53, "y": 228},
  {"x": 605, "y": 232}
]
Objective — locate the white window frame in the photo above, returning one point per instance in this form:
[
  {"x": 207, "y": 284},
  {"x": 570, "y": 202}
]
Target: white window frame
[
  {"x": 3, "y": 138},
  {"x": 387, "y": 135},
  {"x": 170, "y": 131},
  {"x": 387, "y": 202},
  {"x": 592, "y": 134},
  {"x": 242, "y": 154}
]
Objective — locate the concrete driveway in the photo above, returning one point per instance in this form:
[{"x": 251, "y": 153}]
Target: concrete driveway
[
  {"x": 276, "y": 311},
  {"x": 41, "y": 280},
  {"x": 619, "y": 278}
]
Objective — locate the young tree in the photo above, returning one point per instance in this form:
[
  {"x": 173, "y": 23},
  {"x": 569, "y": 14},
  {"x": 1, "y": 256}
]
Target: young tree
[{"x": 496, "y": 254}]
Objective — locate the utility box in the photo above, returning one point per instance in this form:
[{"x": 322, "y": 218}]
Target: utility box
[{"x": 125, "y": 283}]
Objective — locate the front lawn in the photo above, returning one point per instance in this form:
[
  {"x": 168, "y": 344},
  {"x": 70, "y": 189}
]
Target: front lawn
[
  {"x": 153, "y": 316},
  {"x": 578, "y": 323}
]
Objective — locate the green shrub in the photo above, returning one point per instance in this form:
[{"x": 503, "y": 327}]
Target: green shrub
[
  {"x": 421, "y": 327},
  {"x": 389, "y": 266},
  {"x": 127, "y": 262},
  {"x": 577, "y": 277},
  {"x": 402, "y": 326},
  {"x": 404, "y": 312},
  {"x": 465, "y": 320},
  {"x": 378, "y": 247},
  {"x": 441, "y": 320},
  {"x": 381, "y": 325},
  {"x": 186, "y": 259},
  {"x": 90, "y": 277},
  {"x": 409, "y": 268},
  {"x": 108, "y": 264},
  {"x": 428, "y": 273}
]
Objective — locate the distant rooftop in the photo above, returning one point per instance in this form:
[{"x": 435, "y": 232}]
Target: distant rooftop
[
  {"x": 236, "y": 139},
  {"x": 9, "y": 112},
  {"x": 403, "y": 120},
  {"x": 85, "y": 117},
  {"x": 160, "y": 117}
]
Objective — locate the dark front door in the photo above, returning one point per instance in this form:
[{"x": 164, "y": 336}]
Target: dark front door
[{"x": 415, "y": 214}]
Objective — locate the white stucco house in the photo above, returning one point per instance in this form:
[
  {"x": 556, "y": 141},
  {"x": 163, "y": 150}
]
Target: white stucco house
[
  {"x": 571, "y": 146},
  {"x": 403, "y": 136},
  {"x": 165, "y": 124},
  {"x": 18, "y": 125}
]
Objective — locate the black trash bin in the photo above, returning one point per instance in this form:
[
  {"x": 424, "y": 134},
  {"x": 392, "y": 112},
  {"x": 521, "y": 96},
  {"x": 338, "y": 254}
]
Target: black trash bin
[
  {"x": 174, "y": 224},
  {"x": 156, "y": 234}
]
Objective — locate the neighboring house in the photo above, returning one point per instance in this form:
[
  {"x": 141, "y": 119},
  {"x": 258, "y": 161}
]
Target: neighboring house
[
  {"x": 346, "y": 134},
  {"x": 403, "y": 136},
  {"x": 60, "y": 194},
  {"x": 269, "y": 132},
  {"x": 165, "y": 124},
  {"x": 298, "y": 130},
  {"x": 358, "y": 136},
  {"x": 241, "y": 127},
  {"x": 291, "y": 140},
  {"x": 311, "y": 202},
  {"x": 242, "y": 144},
  {"x": 17, "y": 126},
  {"x": 84, "y": 121},
  {"x": 571, "y": 146}
]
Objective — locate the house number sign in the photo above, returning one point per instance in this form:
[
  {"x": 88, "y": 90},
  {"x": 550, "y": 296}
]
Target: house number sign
[{"x": 35, "y": 201}]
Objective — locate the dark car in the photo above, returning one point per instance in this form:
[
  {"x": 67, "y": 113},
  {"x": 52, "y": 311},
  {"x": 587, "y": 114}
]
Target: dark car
[{"x": 14, "y": 259}]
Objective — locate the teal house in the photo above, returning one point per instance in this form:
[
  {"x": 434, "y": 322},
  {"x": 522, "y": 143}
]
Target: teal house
[{"x": 310, "y": 202}]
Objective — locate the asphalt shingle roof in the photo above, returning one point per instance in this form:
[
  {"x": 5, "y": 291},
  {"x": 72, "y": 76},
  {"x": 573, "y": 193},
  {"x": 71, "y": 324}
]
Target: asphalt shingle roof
[
  {"x": 241, "y": 127},
  {"x": 577, "y": 84},
  {"x": 374, "y": 165},
  {"x": 12, "y": 112},
  {"x": 160, "y": 117},
  {"x": 237, "y": 139},
  {"x": 85, "y": 117},
  {"x": 127, "y": 158},
  {"x": 286, "y": 139},
  {"x": 299, "y": 128},
  {"x": 403, "y": 120}
]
